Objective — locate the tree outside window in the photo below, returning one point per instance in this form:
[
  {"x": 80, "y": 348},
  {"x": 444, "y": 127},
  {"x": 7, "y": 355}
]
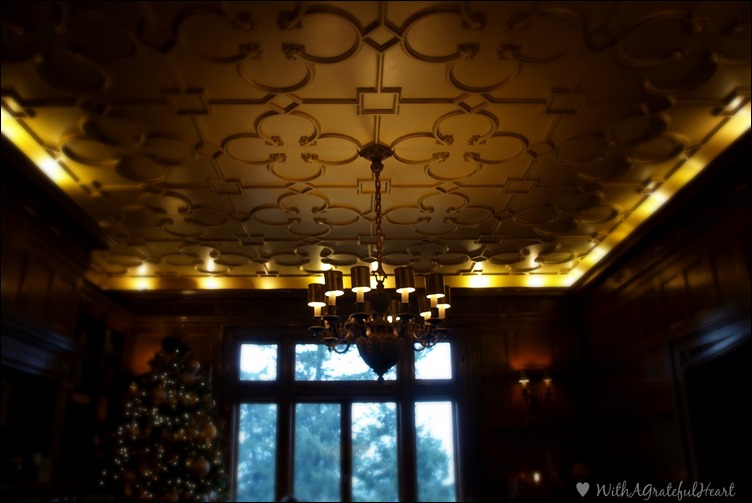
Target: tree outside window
[{"x": 341, "y": 423}]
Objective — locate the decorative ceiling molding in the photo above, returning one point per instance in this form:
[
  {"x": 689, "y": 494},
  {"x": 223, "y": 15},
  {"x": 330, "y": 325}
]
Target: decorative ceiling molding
[{"x": 217, "y": 144}]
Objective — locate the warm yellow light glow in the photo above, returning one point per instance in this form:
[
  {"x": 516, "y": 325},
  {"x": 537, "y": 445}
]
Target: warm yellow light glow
[
  {"x": 479, "y": 281},
  {"x": 136, "y": 283},
  {"x": 571, "y": 278},
  {"x": 53, "y": 171},
  {"x": 9, "y": 125},
  {"x": 142, "y": 283},
  {"x": 597, "y": 253},
  {"x": 588, "y": 261},
  {"x": 25, "y": 142},
  {"x": 623, "y": 230},
  {"x": 652, "y": 204},
  {"x": 536, "y": 477},
  {"x": 504, "y": 281},
  {"x": 729, "y": 132},
  {"x": 688, "y": 171},
  {"x": 272, "y": 282},
  {"x": 536, "y": 281},
  {"x": 407, "y": 289},
  {"x": 211, "y": 283},
  {"x": 735, "y": 102}
]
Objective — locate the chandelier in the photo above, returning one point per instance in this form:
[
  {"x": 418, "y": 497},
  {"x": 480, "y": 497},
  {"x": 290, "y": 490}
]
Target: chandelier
[{"x": 383, "y": 325}]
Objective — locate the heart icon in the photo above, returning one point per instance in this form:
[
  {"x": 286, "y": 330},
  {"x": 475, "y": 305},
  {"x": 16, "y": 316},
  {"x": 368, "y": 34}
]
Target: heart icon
[{"x": 582, "y": 488}]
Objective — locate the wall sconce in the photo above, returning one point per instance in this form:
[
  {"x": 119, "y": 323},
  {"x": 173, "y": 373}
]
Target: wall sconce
[{"x": 532, "y": 384}]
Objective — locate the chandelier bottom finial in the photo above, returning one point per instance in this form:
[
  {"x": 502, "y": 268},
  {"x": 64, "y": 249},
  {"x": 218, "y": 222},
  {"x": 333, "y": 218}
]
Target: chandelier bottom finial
[{"x": 382, "y": 347}]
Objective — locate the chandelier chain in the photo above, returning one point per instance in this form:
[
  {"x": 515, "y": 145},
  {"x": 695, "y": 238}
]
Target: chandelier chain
[{"x": 380, "y": 274}]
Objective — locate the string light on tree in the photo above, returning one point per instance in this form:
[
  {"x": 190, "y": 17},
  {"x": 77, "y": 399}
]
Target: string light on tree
[{"x": 168, "y": 448}]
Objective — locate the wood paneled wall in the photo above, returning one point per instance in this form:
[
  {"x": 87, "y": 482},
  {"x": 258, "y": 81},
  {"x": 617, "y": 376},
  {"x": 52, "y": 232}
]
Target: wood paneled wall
[
  {"x": 511, "y": 438},
  {"x": 37, "y": 284},
  {"x": 683, "y": 290},
  {"x": 60, "y": 364},
  {"x": 615, "y": 352}
]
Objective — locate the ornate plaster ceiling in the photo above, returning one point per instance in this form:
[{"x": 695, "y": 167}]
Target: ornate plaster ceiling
[{"x": 217, "y": 143}]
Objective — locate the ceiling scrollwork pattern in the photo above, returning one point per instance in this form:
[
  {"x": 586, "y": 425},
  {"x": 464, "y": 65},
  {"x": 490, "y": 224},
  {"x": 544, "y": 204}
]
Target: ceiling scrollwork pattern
[{"x": 222, "y": 139}]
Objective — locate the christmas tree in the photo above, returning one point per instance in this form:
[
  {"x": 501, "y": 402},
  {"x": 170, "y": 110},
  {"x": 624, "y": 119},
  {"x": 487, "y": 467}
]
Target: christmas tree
[{"x": 167, "y": 448}]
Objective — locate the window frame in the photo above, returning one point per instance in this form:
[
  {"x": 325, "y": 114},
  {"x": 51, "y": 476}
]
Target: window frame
[{"x": 286, "y": 392}]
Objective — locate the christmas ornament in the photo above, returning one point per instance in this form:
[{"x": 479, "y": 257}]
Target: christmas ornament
[
  {"x": 169, "y": 433},
  {"x": 159, "y": 395},
  {"x": 209, "y": 431},
  {"x": 199, "y": 467}
]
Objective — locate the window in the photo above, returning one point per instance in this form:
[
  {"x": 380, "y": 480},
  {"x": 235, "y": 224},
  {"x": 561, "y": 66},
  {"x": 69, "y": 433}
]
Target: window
[
  {"x": 314, "y": 362},
  {"x": 257, "y": 450},
  {"x": 258, "y": 362},
  {"x": 435, "y": 473},
  {"x": 374, "y": 448},
  {"x": 319, "y": 426}
]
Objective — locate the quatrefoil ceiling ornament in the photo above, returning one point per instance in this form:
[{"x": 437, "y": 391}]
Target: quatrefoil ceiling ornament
[{"x": 528, "y": 140}]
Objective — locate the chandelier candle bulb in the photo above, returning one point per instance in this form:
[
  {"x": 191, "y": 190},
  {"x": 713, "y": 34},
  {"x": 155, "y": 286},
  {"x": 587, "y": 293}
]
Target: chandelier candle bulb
[
  {"x": 524, "y": 381},
  {"x": 316, "y": 298},
  {"x": 434, "y": 286},
  {"x": 445, "y": 302},
  {"x": 434, "y": 302},
  {"x": 424, "y": 308},
  {"x": 405, "y": 281},
  {"x": 435, "y": 291},
  {"x": 360, "y": 277},
  {"x": 547, "y": 383},
  {"x": 334, "y": 288}
]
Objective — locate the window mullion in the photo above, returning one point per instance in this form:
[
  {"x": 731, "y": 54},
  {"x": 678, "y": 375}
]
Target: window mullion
[
  {"x": 286, "y": 420},
  {"x": 346, "y": 446},
  {"x": 284, "y": 448},
  {"x": 406, "y": 448},
  {"x": 406, "y": 429}
]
